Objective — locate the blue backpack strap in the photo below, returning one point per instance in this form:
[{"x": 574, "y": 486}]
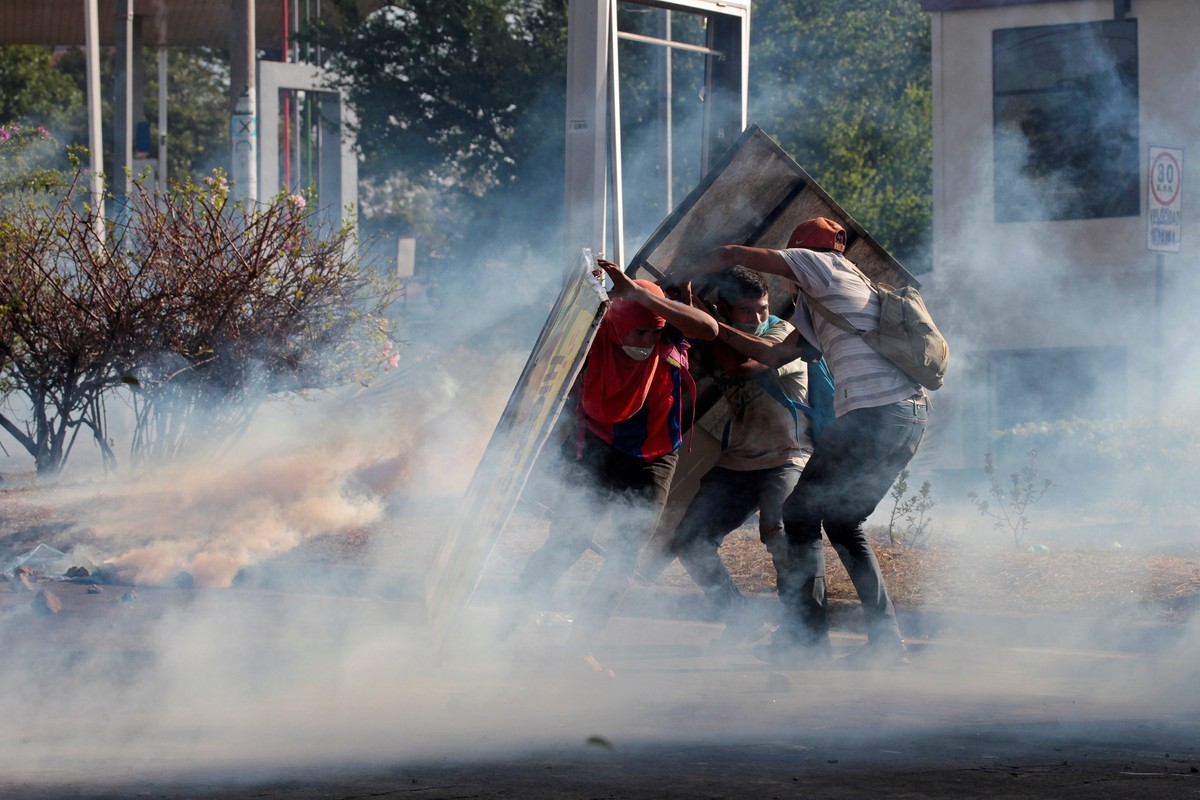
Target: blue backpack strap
[
  {"x": 768, "y": 381},
  {"x": 677, "y": 357},
  {"x": 820, "y": 396},
  {"x": 819, "y": 409}
]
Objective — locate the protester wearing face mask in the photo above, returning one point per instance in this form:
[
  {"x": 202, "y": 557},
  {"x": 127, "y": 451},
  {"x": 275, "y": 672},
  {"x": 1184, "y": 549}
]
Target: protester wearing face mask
[
  {"x": 764, "y": 446},
  {"x": 619, "y": 465}
]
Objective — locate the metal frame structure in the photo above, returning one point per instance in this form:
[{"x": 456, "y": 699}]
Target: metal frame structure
[
  {"x": 337, "y": 184},
  {"x": 593, "y": 151},
  {"x": 240, "y": 26}
]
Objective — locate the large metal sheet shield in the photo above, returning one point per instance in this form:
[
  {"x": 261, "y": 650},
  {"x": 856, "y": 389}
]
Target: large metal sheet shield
[
  {"x": 524, "y": 427},
  {"x": 756, "y": 195}
]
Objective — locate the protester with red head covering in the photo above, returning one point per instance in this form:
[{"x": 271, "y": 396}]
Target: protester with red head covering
[
  {"x": 619, "y": 376},
  {"x": 630, "y": 424}
]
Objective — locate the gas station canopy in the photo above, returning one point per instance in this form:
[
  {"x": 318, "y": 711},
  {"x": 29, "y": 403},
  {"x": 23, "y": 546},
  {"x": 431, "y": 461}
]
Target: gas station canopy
[{"x": 174, "y": 23}]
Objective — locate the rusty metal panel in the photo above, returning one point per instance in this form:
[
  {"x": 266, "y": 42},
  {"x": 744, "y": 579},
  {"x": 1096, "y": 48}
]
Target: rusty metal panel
[
  {"x": 755, "y": 196},
  {"x": 524, "y": 427}
]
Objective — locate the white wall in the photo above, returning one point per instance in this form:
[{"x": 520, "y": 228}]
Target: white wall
[{"x": 1077, "y": 283}]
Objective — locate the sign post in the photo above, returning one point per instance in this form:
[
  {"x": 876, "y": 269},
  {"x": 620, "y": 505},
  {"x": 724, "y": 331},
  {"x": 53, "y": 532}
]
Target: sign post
[
  {"x": 1164, "y": 200},
  {"x": 1164, "y": 234}
]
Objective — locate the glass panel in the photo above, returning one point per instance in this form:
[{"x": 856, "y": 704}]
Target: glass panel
[
  {"x": 1056, "y": 383},
  {"x": 662, "y": 112},
  {"x": 1065, "y": 108}
]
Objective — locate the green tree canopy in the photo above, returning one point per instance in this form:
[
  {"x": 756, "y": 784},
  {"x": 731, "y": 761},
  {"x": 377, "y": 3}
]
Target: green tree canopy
[
  {"x": 460, "y": 114},
  {"x": 451, "y": 85},
  {"x": 845, "y": 87},
  {"x": 33, "y": 91}
]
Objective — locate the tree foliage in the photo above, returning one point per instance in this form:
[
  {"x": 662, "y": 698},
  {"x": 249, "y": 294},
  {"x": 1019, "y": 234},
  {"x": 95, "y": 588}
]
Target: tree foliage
[
  {"x": 33, "y": 91},
  {"x": 197, "y": 110},
  {"x": 27, "y": 155},
  {"x": 454, "y": 96},
  {"x": 845, "y": 88},
  {"x": 460, "y": 112},
  {"x": 450, "y": 86},
  {"x": 39, "y": 87}
]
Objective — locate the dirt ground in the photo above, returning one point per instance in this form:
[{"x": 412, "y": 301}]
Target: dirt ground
[{"x": 1064, "y": 569}]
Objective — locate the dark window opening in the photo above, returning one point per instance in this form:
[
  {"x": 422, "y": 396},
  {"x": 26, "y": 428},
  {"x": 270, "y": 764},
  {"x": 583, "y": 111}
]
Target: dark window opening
[
  {"x": 1054, "y": 384},
  {"x": 1065, "y": 106}
]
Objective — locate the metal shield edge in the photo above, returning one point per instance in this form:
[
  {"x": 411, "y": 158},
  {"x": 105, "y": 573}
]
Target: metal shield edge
[{"x": 523, "y": 429}]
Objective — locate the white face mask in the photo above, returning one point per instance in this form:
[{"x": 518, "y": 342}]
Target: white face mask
[
  {"x": 756, "y": 328},
  {"x": 637, "y": 353}
]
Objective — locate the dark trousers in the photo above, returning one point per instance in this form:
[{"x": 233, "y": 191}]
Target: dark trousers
[
  {"x": 852, "y": 467},
  {"x": 603, "y": 484},
  {"x": 725, "y": 500}
]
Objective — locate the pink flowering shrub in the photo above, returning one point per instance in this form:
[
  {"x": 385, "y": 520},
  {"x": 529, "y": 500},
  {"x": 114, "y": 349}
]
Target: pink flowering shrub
[{"x": 26, "y": 155}]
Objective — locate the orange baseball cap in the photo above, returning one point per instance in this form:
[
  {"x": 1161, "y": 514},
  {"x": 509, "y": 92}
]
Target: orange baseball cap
[{"x": 820, "y": 233}]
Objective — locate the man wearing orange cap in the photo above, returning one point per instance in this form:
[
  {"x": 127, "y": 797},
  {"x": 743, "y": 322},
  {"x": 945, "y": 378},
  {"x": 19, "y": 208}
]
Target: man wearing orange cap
[
  {"x": 881, "y": 417},
  {"x": 630, "y": 425}
]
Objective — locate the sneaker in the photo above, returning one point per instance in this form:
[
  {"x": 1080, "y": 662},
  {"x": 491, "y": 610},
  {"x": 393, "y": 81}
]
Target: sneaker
[
  {"x": 785, "y": 653},
  {"x": 738, "y": 634},
  {"x": 876, "y": 655}
]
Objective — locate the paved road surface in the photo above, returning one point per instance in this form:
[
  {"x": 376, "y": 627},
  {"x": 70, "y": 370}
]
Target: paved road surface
[{"x": 234, "y": 694}]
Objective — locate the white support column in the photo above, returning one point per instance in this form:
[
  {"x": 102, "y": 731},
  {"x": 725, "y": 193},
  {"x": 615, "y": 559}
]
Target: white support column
[
  {"x": 123, "y": 100},
  {"x": 614, "y": 103},
  {"x": 95, "y": 141},
  {"x": 162, "y": 119},
  {"x": 587, "y": 124},
  {"x": 243, "y": 171}
]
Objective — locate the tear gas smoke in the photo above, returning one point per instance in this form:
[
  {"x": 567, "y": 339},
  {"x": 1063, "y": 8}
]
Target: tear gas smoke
[{"x": 272, "y": 683}]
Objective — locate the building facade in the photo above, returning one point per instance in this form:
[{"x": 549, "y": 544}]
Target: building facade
[{"x": 1066, "y": 223}]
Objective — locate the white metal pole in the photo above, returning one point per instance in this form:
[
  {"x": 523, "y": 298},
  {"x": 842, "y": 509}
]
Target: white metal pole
[
  {"x": 614, "y": 105},
  {"x": 162, "y": 119},
  {"x": 244, "y": 120},
  {"x": 123, "y": 155},
  {"x": 670, "y": 148},
  {"x": 587, "y": 124},
  {"x": 95, "y": 142}
]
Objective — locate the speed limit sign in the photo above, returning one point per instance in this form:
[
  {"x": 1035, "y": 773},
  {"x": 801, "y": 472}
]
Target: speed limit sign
[{"x": 1165, "y": 176}]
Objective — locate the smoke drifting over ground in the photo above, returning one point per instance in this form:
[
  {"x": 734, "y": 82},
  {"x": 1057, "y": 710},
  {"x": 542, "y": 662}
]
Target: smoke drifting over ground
[{"x": 269, "y": 685}]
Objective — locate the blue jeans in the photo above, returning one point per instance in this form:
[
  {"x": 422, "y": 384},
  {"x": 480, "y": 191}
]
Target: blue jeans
[
  {"x": 852, "y": 467},
  {"x": 726, "y": 499}
]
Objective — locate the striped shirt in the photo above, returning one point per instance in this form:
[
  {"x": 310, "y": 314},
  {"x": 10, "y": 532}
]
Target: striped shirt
[{"x": 861, "y": 377}]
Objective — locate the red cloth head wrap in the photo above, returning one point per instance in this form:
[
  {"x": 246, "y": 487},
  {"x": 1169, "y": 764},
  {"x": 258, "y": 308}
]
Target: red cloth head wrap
[{"x": 615, "y": 386}]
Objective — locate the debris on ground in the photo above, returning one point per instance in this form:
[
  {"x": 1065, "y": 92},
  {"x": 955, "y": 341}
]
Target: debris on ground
[{"x": 43, "y": 559}]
